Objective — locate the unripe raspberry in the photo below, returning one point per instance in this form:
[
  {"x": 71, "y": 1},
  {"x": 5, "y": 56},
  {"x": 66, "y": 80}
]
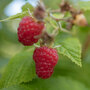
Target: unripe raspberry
[
  {"x": 45, "y": 59},
  {"x": 28, "y": 29},
  {"x": 80, "y": 20}
]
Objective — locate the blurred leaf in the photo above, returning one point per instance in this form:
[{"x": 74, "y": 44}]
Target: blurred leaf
[
  {"x": 19, "y": 15},
  {"x": 3, "y": 63},
  {"x": 87, "y": 15},
  {"x": 71, "y": 48},
  {"x": 51, "y": 4},
  {"x": 19, "y": 87},
  {"x": 27, "y": 6},
  {"x": 66, "y": 68},
  {"x": 63, "y": 83},
  {"x": 4, "y": 3},
  {"x": 84, "y": 5},
  {"x": 56, "y": 83},
  {"x": 20, "y": 69}
]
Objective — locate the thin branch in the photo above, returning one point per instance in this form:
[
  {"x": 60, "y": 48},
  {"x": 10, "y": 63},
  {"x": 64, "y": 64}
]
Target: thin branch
[
  {"x": 56, "y": 19},
  {"x": 55, "y": 32},
  {"x": 62, "y": 29},
  {"x": 59, "y": 19},
  {"x": 29, "y": 12},
  {"x": 55, "y": 11},
  {"x": 57, "y": 46},
  {"x": 51, "y": 23},
  {"x": 36, "y": 45}
]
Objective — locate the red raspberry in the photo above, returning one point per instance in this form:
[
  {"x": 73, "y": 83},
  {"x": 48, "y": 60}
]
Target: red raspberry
[
  {"x": 28, "y": 29},
  {"x": 47, "y": 55},
  {"x": 45, "y": 59},
  {"x": 43, "y": 71}
]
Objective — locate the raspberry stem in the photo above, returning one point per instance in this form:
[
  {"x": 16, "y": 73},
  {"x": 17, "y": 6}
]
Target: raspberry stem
[
  {"x": 62, "y": 29},
  {"x": 57, "y": 46},
  {"x": 29, "y": 12},
  {"x": 36, "y": 45}
]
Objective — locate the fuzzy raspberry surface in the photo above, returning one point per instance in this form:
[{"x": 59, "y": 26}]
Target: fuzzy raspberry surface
[
  {"x": 28, "y": 29},
  {"x": 45, "y": 59}
]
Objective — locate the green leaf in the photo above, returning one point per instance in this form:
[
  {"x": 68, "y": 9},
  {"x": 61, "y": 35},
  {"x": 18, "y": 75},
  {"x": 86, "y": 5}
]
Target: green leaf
[
  {"x": 84, "y": 5},
  {"x": 55, "y": 83},
  {"x": 87, "y": 15},
  {"x": 20, "y": 69},
  {"x": 50, "y": 24},
  {"x": 3, "y": 63},
  {"x": 15, "y": 88},
  {"x": 19, "y": 15},
  {"x": 27, "y": 6},
  {"x": 22, "y": 14},
  {"x": 67, "y": 69},
  {"x": 57, "y": 15},
  {"x": 71, "y": 48},
  {"x": 61, "y": 37}
]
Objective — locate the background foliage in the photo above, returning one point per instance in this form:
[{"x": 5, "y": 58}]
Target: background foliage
[{"x": 17, "y": 71}]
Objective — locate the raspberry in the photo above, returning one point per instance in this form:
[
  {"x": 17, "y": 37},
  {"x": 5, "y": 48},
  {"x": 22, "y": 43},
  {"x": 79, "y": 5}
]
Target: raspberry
[
  {"x": 45, "y": 59},
  {"x": 28, "y": 29},
  {"x": 43, "y": 71},
  {"x": 47, "y": 55}
]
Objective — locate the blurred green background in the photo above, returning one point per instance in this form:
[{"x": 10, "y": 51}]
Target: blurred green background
[{"x": 9, "y": 44}]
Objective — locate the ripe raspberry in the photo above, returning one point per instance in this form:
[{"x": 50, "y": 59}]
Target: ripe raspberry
[
  {"x": 28, "y": 29},
  {"x": 45, "y": 59},
  {"x": 45, "y": 54},
  {"x": 43, "y": 71}
]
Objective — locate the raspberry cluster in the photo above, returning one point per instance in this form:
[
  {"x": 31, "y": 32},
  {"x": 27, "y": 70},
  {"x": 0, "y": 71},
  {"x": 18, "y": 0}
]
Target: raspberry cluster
[{"x": 30, "y": 30}]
